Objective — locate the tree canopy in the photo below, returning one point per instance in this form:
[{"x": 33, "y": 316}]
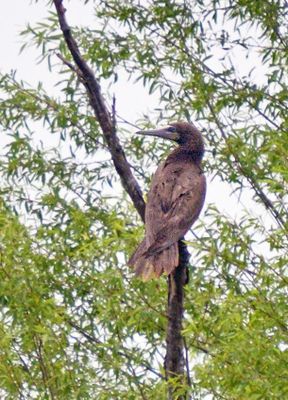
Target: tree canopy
[{"x": 75, "y": 322}]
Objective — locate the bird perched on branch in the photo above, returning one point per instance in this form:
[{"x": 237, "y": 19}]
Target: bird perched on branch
[{"x": 174, "y": 202}]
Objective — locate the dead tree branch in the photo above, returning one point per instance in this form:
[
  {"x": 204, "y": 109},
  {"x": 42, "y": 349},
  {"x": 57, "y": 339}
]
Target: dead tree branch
[{"x": 102, "y": 114}]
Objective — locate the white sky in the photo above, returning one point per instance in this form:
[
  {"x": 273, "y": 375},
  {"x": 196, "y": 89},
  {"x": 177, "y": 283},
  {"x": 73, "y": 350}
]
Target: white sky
[
  {"x": 16, "y": 14},
  {"x": 131, "y": 99}
]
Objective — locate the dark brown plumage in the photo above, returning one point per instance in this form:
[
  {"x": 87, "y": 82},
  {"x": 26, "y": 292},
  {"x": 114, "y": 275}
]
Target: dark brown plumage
[{"x": 174, "y": 201}]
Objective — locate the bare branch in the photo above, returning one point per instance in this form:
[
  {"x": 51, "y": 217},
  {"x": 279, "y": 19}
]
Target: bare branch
[
  {"x": 189, "y": 382},
  {"x": 102, "y": 115},
  {"x": 66, "y": 62}
]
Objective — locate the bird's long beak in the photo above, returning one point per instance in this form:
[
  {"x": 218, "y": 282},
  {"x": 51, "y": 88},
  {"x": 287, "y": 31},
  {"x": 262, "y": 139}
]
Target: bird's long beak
[{"x": 162, "y": 133}]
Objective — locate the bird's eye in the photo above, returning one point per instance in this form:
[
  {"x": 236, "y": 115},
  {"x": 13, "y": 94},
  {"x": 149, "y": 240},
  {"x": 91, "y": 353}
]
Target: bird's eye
[{"x": 171, "y": 129}]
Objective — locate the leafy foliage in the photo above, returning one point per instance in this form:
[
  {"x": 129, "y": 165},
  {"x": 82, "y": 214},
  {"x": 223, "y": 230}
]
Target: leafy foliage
[{"x": 75, "y": 323}]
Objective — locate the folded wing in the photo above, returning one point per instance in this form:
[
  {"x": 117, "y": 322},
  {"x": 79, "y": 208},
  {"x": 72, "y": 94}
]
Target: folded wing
[{"x": 174, "y": 203}]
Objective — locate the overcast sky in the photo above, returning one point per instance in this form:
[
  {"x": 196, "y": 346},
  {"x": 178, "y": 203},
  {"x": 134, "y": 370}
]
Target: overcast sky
[
  {"x": 16, "y": 14},
  {"x": 132, "y": 101}
]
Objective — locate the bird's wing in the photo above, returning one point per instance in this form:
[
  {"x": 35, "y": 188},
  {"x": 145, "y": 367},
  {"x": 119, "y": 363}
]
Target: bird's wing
[{"x": 174, "y": 202}]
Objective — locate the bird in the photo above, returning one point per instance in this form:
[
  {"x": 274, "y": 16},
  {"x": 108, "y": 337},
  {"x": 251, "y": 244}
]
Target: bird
[{"x": 174, "y": 201}]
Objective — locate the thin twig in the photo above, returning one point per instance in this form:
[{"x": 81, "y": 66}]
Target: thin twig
[
  {"x": 255, "y": 185},
  {"x": 92, "y": 339},
  {"x": 187, "y": 362},
  {"x": 66, "y": 62}
]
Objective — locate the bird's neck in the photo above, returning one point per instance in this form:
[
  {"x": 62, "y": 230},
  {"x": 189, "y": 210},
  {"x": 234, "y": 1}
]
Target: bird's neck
[{"x": 188, "y": 152}]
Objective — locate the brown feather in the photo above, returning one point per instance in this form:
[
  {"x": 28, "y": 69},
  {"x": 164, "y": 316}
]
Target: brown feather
[{"x": 174, "y": 202}]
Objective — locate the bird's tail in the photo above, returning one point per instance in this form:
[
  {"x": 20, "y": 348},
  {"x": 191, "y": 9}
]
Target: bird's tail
[{"x": 149, "y": 266}]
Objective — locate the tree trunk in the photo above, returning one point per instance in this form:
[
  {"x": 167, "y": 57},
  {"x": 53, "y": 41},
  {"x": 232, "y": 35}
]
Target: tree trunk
[{"x": 174, "y": 360}]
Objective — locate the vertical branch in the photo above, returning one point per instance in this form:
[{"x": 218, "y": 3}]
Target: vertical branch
[
  {"x": 174, "y": 360},
  {"x": 189, "y": 383},
  {"x": 44, "y": 369}
]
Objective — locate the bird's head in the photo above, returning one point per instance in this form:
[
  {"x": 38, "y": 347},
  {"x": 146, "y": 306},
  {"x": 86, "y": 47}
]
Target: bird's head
[{"x": 179, "y": 132}]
